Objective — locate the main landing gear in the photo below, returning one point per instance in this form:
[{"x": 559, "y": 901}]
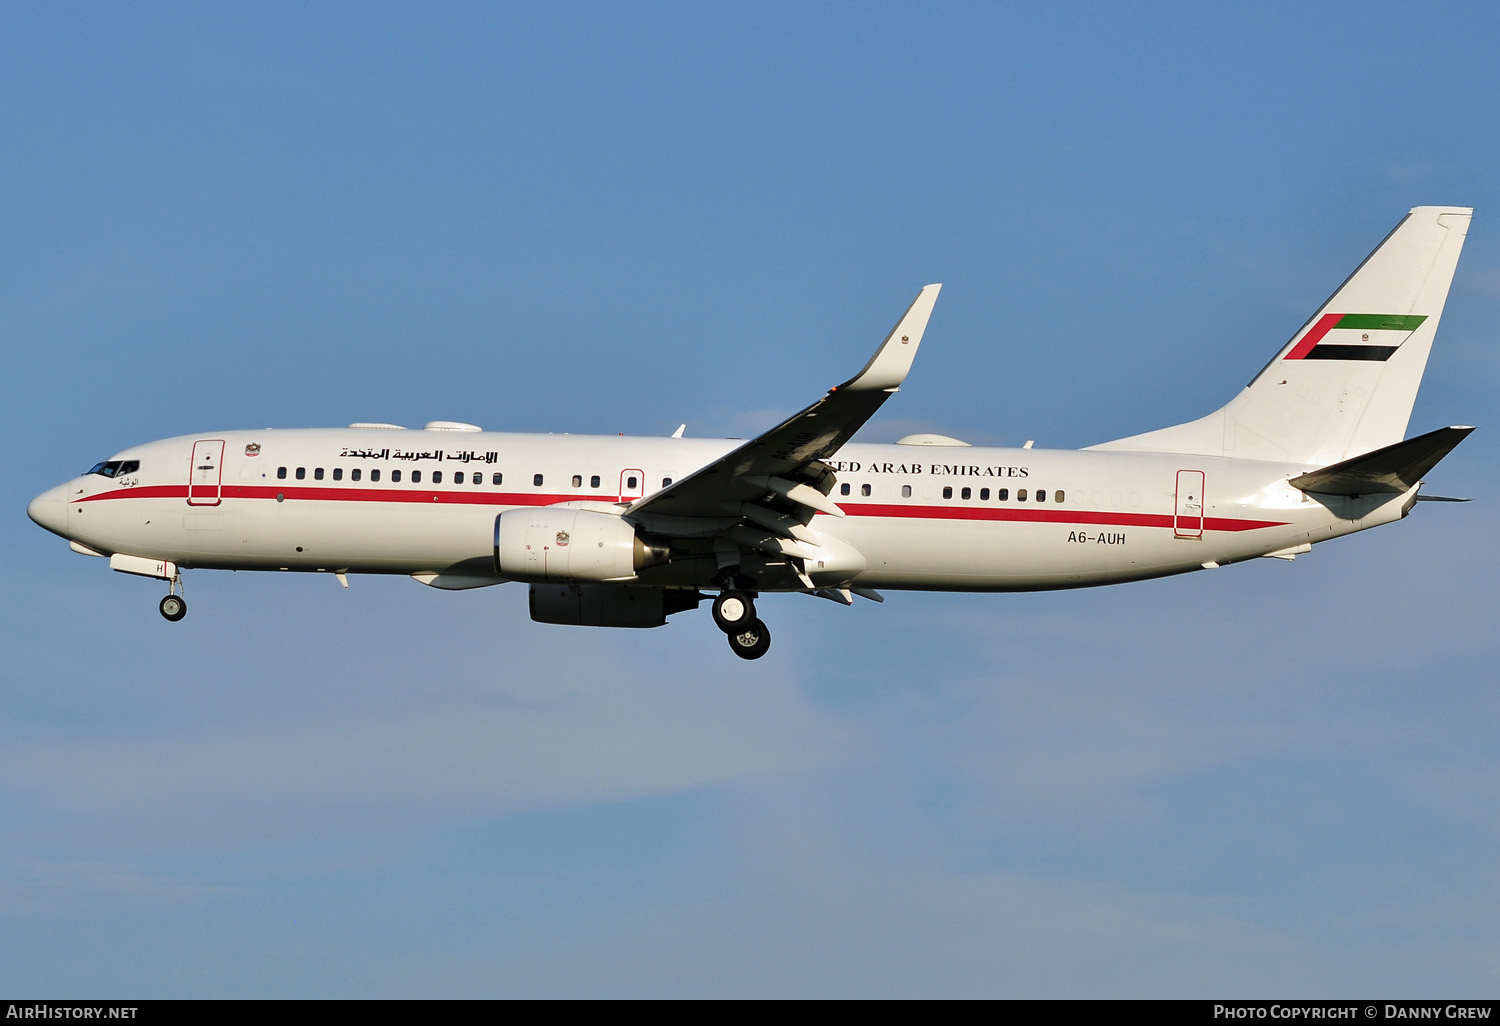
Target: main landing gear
[
  {"x": 734, "y": 614},
  {"x": 174, "y": 606},
  {"x": 733, "y": 609},
  {"x": 750, "y": 642}
]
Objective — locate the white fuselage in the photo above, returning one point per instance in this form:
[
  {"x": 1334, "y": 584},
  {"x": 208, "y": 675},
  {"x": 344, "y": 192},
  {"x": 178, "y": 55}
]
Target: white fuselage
[
  {"x": 424, "y": 502},
  {"x": 625, "y": 532}
]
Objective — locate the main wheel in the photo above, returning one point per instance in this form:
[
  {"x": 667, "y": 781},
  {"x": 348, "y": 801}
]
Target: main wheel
[
  {"x": 173, "y": 607},
  {"x": 751, "y": 642},
  {"x": 733, "y": 610}
]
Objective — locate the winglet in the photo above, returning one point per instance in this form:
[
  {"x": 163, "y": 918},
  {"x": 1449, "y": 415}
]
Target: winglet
[{"x": 888, "y": 367}]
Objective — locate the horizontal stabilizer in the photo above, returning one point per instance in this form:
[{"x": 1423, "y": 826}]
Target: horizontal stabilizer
[{"x": 1394, "y": 469}]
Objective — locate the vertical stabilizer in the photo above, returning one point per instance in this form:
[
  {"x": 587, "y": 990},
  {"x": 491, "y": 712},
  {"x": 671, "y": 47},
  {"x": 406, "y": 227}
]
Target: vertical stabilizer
[{"x": 1346, "y": 381}]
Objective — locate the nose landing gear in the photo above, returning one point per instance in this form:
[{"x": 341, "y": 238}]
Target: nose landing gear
[{"x": 174, "y": 606}]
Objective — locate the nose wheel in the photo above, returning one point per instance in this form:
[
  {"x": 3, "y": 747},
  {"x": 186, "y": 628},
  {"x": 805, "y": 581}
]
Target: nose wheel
[
  {"x": 174, "y": 606},
  {"x": 751, "y": 641}
]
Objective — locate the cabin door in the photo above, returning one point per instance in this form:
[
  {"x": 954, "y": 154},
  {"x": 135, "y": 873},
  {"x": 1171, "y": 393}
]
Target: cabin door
[
  {"x": 206, "y": 474},
  {"x": 1187, "y": 520}
]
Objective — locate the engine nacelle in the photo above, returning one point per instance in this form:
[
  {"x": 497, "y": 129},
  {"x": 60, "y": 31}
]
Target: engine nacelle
[{"x": 564, "y": 543}]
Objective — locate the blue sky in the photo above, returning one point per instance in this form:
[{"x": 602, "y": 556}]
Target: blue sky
[{"x": 1276, "y": 779}]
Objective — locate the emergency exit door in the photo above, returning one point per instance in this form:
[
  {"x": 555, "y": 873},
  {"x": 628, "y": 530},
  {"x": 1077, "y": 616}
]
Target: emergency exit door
[{"x": 632, "y": 484}]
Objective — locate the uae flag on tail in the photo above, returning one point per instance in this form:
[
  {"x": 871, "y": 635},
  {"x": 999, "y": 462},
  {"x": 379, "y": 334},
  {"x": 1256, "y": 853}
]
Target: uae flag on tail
[{"x": 1355, "y": 337}]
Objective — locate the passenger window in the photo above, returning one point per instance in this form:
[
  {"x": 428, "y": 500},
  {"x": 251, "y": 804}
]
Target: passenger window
[
  {"x": 843, "y": 489},
  {"x": 1002, "y": 494},
  {"x": 318, "y": 474},
  {"x": 577, "y": 480},
  {"x": 458, "y": 477},
  {"x": 497, "y": 479},
  {"x": 437, "y": 477},
  {"x": 966, "y": 493},
  {"x": 281, "y": 473},
  {"x": 666, "y": 481},
  {"x": 338, "y": 473},
  {"x": 416, "y": 477},
  {"x": 354, "y": 475},
  {"x": 395, "y": 477},
  {"x": 594, "y": 481},
  {"x": 630, "y": 482},
  {"x": 375, "y": 475},
  {"x": 1020, "y": 495},
  {"x": 536, "y": 479},
  {"x": 906, "y": 491},
  {"x": 984, "y": 494},
  {"x": 864, "y": 490},
  {"x": 1041, "y": 495},
  {"x": 947, "y": 491},
  {"x": 301, "y": 473},
  {"x": 1057, "y": 496}
]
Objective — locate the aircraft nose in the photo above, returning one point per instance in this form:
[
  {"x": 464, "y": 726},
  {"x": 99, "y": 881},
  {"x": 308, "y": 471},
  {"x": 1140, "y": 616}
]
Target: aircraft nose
[{"x": 50, "y": 510}]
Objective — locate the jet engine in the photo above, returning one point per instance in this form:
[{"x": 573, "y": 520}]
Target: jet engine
[{"x": 564, "y": 543}]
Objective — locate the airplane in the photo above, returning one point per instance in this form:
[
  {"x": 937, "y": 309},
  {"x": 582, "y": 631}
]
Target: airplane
[{"x": 626, "y": 531}]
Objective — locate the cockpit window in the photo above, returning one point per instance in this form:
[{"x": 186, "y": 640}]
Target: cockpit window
[{"x": 114, "y": 468}]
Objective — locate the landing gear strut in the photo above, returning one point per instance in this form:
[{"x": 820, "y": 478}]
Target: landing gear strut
[
  {"x": 174, "y": 606},
  {"x": 750, "y": 642}
]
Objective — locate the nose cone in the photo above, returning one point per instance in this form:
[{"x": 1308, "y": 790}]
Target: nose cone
[{"x": 50, "y": 510}]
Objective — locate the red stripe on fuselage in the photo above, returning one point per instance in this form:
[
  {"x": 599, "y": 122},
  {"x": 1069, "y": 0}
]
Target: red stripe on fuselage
[
  {"x": 303, "y": 494},
  {"x": 1012, "y": 514},
  {"x": 1047, "y": 516}
]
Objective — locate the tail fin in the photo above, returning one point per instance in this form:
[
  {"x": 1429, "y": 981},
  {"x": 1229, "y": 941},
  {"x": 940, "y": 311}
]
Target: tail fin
[{"x": 1346, "y": 381}]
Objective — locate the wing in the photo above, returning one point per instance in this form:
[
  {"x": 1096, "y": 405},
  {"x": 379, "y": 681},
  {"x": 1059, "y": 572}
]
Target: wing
[{"x": 769, "y": 488}]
